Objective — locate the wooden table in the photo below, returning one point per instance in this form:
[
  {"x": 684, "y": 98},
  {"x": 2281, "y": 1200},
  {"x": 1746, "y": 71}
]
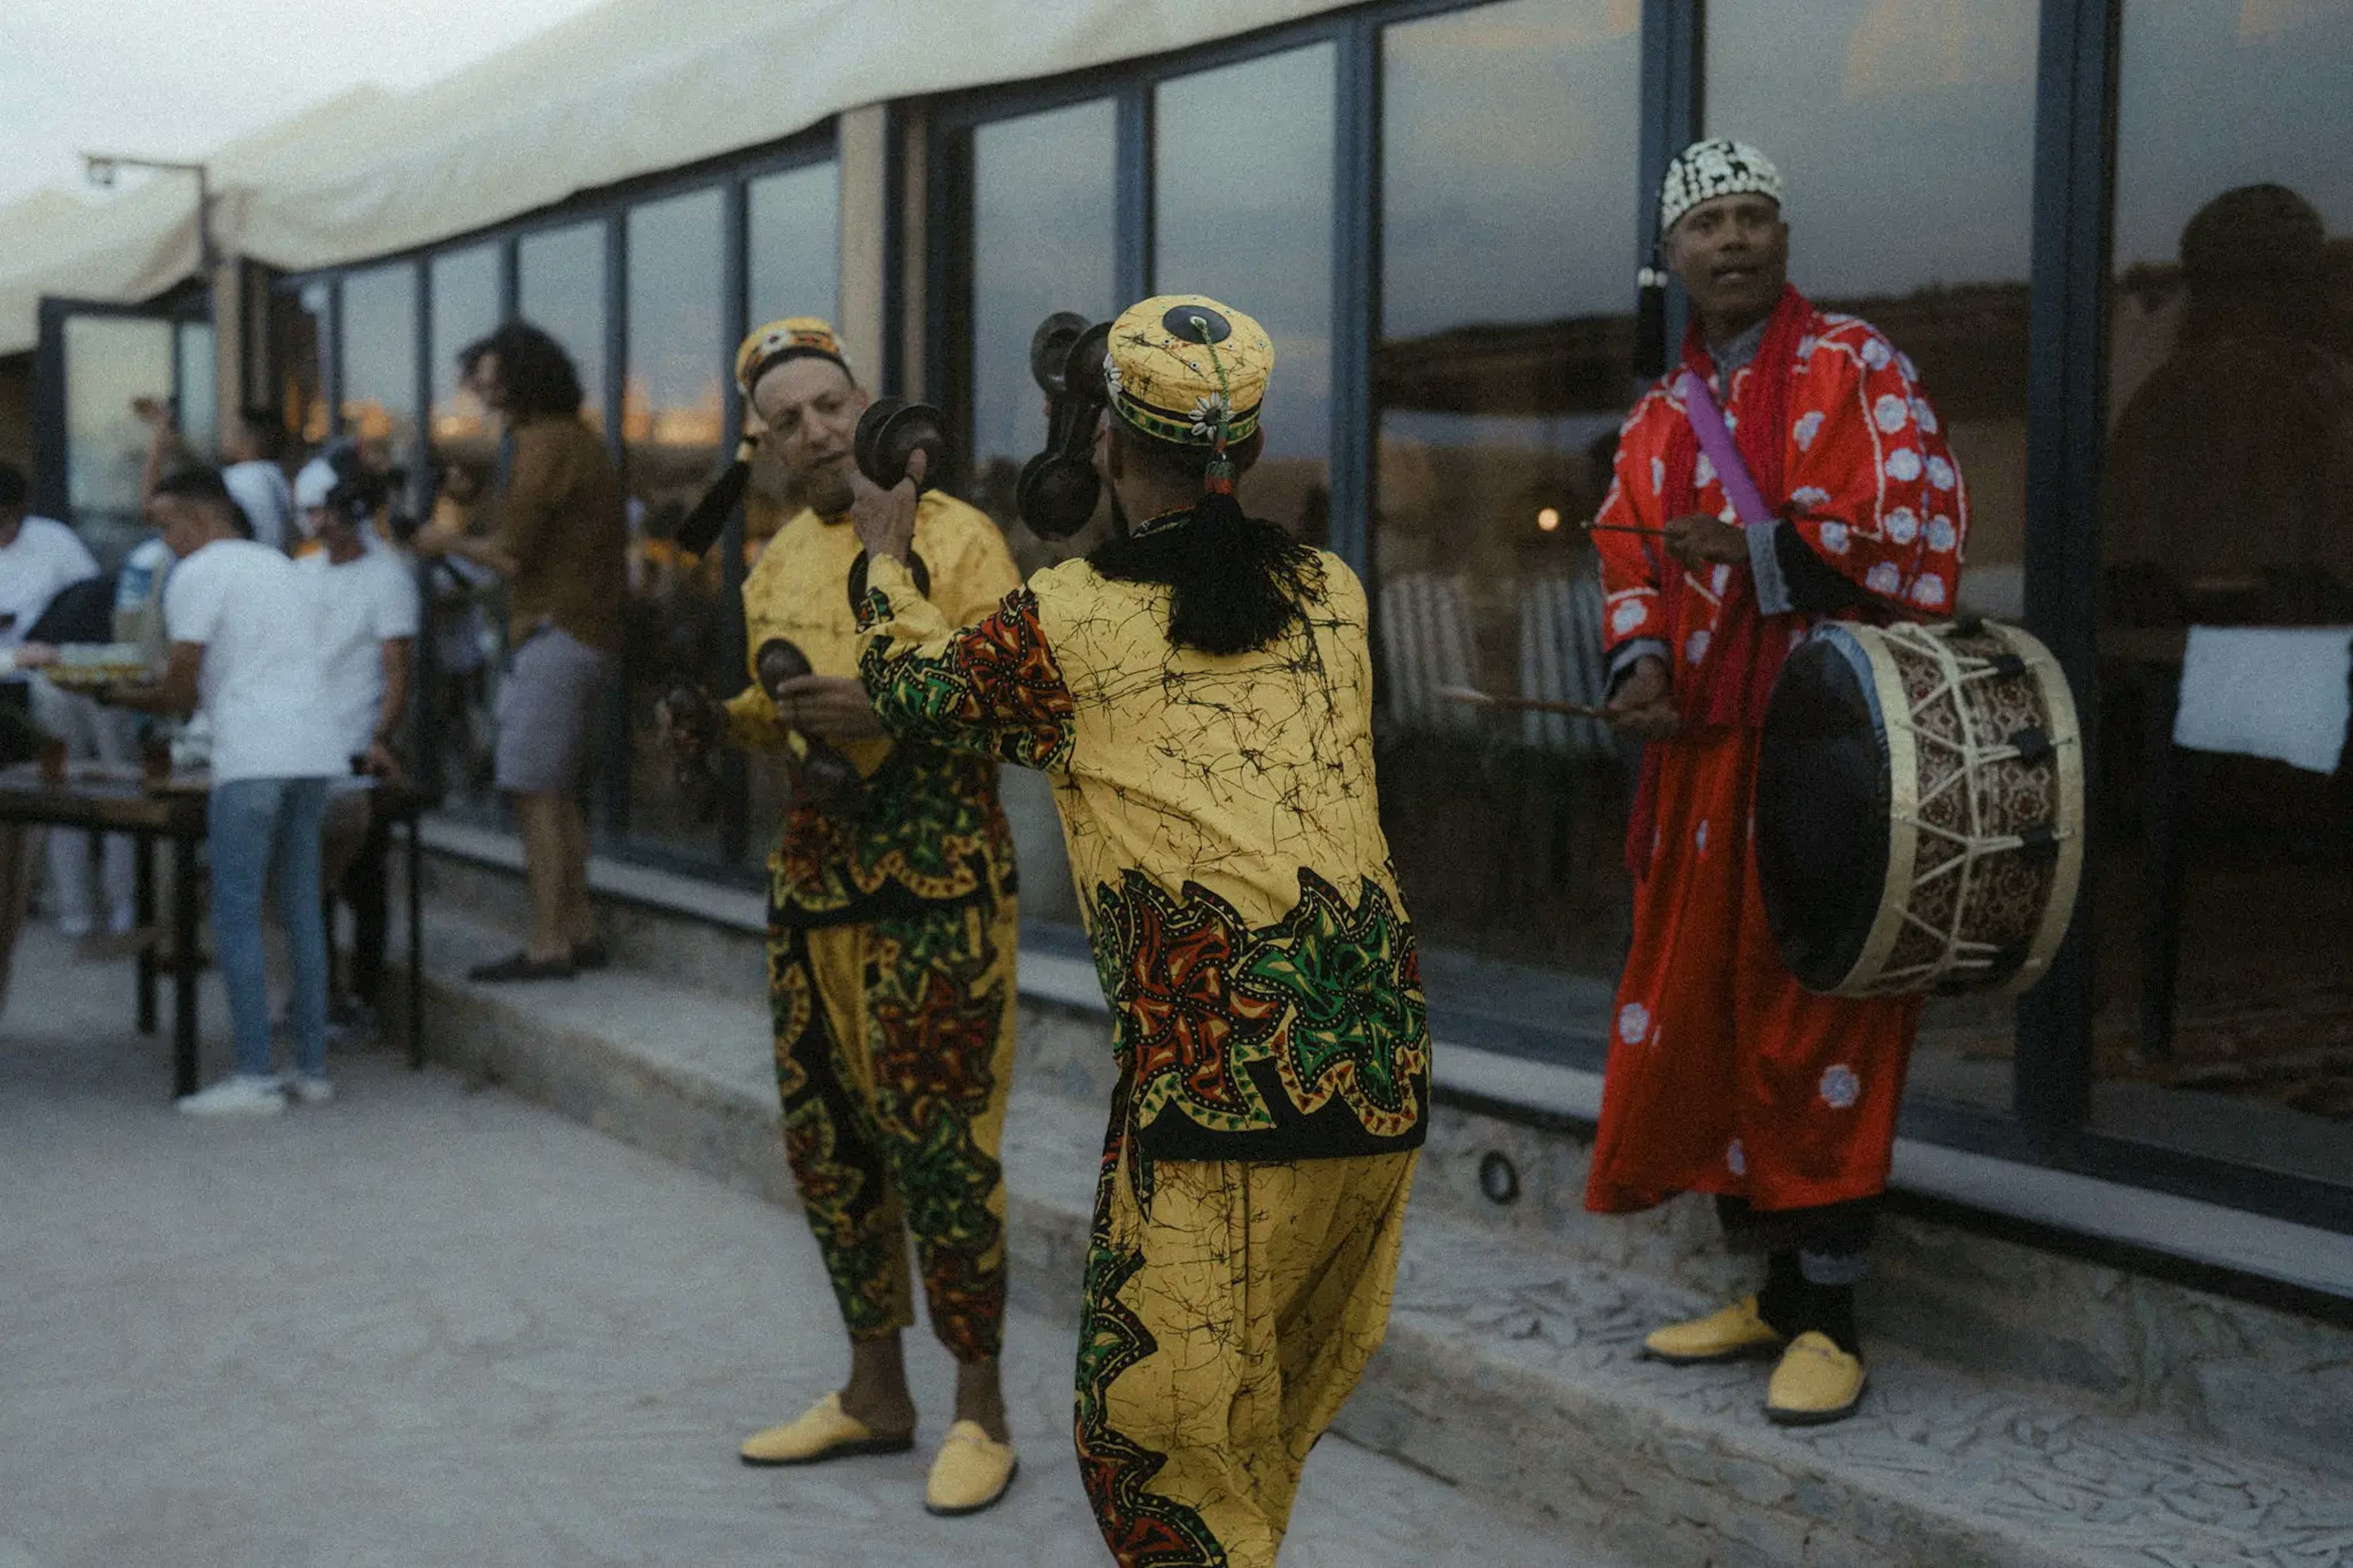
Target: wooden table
[{"x": 100, "y": 799}]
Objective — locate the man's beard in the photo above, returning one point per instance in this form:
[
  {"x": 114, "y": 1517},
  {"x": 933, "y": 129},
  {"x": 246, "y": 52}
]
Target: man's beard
[{"x": 829, "y": 494}]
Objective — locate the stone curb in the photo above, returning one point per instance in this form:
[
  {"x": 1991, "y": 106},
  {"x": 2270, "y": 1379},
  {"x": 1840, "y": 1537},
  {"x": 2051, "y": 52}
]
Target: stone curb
[{"x": 1504, "y": 1371}]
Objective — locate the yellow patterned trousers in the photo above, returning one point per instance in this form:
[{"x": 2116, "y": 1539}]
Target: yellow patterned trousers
[
  {"x": 1230, "y": 1307},
  {"x": 894, "y": 1052}
]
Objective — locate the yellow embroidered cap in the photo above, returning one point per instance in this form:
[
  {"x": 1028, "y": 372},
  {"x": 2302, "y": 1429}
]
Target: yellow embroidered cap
[
  {"x": 791, "y": 338},
  {"x": 1179, "y": 361}
]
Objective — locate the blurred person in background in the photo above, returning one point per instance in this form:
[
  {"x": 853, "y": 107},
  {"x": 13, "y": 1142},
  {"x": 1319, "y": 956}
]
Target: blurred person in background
[
  {"x": 561, "y": 545},
  {"x": 251, "y": 444},
  {"x": 367, "y": 633},
  {"x": 245, "y": 649},
  {"x": 48, "y": 581}
]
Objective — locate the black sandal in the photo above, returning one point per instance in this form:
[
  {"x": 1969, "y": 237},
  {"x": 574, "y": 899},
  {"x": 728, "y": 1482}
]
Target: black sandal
[{"x": 521, "y": 966}]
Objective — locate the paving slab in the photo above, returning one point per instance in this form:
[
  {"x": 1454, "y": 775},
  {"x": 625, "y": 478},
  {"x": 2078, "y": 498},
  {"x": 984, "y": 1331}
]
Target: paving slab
[
  {"x": 433, "y": 1323},
  {"x": 1510, "y": 1367}
]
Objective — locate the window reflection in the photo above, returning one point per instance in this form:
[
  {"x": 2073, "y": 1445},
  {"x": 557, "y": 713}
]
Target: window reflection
[
  {"x": 1509, "y": 148},
  {"x": 199, "y": 384},
  {"x": 469, "y": 613},
  {"x": 465, "y": 310},
  {"x": 1051, "y": 173},
  {"x": 672, "y": 417},
  {"x": 299, "y": 335},
  {"x": 1905, "y": 132},
  {"x": 2228, "y": 505},
  {"x": 560, "y": 289},
  {"x": 793, "y": 268},
  {"x": 379, "y": 363},
  {"x": 1258, "y": 234},
  {"x": 110, "y": 360}
]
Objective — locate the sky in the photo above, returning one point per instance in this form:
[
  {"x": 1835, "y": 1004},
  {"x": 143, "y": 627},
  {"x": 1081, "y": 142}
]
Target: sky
[{"x": 175, "y": 78}]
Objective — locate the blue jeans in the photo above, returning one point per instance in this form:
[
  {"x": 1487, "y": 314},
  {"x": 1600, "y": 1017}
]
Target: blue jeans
[{"x": 261, "y": 826}]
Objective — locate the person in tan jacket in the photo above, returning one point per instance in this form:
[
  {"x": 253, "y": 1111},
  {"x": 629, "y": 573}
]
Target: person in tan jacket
[{"x": 561, "y": 546}]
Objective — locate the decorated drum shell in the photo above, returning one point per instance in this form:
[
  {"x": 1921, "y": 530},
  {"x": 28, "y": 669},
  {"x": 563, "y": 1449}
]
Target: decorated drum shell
[{"x": 1919, "y": 809}]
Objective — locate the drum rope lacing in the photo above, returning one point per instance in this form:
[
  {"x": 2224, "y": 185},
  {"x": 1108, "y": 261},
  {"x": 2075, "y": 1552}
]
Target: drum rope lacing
[{"x": 1955, "y": 671}]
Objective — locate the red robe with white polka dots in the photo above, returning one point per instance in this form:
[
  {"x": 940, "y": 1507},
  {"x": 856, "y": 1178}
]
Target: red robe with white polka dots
[{"x": 1724, "y": 1075}]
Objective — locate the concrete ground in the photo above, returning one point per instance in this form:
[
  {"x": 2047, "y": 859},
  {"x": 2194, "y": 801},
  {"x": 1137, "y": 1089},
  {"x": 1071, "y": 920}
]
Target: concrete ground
[{"x": 427, "y": 1326}]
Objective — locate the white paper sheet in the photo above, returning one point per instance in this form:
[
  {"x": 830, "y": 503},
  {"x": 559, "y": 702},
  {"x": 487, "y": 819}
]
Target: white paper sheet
[{"x": 2280, "y": 693}]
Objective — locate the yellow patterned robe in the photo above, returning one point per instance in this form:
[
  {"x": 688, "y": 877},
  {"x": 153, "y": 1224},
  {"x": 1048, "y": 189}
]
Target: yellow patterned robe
[
  {"x": 1268, "y": 1014},
  {"x": 890, "y": 960}
]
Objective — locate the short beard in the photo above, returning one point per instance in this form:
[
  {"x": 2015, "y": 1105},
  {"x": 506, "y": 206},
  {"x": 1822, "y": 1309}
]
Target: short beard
[{"x": 829, "y": 494}]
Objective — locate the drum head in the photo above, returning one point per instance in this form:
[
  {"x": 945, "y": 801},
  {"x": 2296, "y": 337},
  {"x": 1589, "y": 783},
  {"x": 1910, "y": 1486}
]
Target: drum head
[{"x": 1822, "y": 809}]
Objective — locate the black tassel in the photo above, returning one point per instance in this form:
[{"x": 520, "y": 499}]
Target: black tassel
[{"x": 701, "y": 528}]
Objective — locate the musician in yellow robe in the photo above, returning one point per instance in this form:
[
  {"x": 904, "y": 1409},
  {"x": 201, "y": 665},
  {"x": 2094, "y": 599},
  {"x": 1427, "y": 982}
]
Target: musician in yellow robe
[
  {"x": 1200, "y": 691},
  {"x": 891, "y": 958}
]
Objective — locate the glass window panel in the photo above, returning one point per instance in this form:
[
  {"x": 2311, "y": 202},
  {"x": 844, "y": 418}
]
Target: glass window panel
[
  {"x": 671, "y": 417},
  {"x": 469, "y": 607},
  {"x": 794, "y": 227},
  {"x": 1051, "y": 173},
  {"x": 298, "y": 339},
  {"x": 199, "y": 369},
  {"x": 465, "y": 310},
  {"x": 380, "y": 364},
  {"x": 1509, "y": 144},
  {"x": 560, "y": 289},
  {"x": 1904, "y": 134},
  {"x": 2228, "y": 502},
  {"x": 110, "y": 360},
  {"x": 1258, "y": 235}
]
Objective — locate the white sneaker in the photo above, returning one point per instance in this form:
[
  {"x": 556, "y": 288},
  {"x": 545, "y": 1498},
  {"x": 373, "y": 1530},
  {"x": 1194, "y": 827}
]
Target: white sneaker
[
  {"x": 237, "y": 1095},
  {"x": 305, "y": 1089}
]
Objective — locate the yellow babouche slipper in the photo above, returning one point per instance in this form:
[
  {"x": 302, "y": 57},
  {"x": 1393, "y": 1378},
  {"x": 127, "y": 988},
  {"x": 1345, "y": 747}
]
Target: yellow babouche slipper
[
  {"x": 973, "y": 1472},
  {"x": 1816, "y": 1382},
  {"x": 824, "y": 1431},
  {"x": 1729, "y": 1333}
]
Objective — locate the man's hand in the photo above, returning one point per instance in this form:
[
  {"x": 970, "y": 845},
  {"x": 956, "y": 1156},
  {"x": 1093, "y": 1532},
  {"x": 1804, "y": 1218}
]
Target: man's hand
[
  {"x": 460, "y": 486},
  {"x": 689, "y": 723},
  {"x": 436, "y": 539},
  {"x": 1698, "y": 540},
  {"x": 380, "y": 763},
  {"x": 831, "y": 707},
  {"x": 885, "y": 519},
  {"x": 1644, "y": 705}
]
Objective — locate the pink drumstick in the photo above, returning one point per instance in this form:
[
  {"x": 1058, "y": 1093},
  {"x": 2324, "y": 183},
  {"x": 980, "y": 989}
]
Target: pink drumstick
[{"x": 1707, "y": 424}]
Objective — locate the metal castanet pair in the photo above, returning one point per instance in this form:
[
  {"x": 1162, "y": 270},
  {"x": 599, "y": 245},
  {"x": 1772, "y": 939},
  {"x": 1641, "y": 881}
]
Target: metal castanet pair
[{"x": 889, "y": 433}]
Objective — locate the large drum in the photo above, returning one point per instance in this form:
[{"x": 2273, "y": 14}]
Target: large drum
[{"x": 1919, "y": 809}]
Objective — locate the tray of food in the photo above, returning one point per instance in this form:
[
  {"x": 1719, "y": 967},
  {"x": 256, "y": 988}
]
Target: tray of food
[{"x": 87, "y": 667}]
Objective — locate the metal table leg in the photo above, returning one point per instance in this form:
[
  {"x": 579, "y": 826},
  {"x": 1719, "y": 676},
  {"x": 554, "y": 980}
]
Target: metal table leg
[
  {"x": 143, "y": 894},
  {"x": 185, "y": 963},
  {"x": 416, "y": 940}
]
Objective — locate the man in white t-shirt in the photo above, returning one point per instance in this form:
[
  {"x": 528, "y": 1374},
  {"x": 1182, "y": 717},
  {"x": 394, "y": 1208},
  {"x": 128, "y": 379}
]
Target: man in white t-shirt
[
  {"x": 39, "y": 559},
  {"x": 244, "y": 626},
  {"x": 367, "y": 629}
]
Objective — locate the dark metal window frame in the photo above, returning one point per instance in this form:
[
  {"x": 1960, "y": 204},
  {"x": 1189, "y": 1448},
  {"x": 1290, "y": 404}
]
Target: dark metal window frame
[
  {"x": 607, "y": 209},
  {"x": 2072, "y": 200},
  {"x": 2069, "y": 288},
  {"x": 49, "y": 487}
]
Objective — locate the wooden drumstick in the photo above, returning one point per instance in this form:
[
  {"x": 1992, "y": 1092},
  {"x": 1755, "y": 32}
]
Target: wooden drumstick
[
  {"x": 1624, "y": 528},
  {"x": 1521, "y": 704}
]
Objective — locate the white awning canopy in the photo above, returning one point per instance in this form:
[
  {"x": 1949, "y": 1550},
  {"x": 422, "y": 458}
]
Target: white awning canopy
[{"x": 628, "y": 88}]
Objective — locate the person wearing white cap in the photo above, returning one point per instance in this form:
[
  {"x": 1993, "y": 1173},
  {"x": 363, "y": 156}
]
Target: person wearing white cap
[
  {"x": 368, "y": 618},
  {"x": 1724, "y": 1075}
]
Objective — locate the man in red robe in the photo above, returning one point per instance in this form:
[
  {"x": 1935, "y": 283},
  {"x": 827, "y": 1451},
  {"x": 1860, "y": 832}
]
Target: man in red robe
[{"x": 1724, "y": 1075}]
